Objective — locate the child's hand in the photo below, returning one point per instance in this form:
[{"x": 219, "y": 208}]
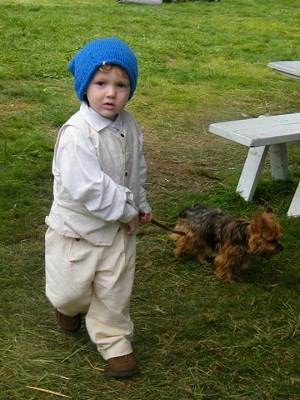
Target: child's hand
[
  {"x": 132, "y": 225},
  {"x": 145, "y": 218}
]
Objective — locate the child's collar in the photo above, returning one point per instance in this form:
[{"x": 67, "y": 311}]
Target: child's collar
[{"x": 97, "y": 121}]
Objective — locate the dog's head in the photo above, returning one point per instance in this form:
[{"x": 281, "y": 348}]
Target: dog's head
[{"x": 265, "y": 233}]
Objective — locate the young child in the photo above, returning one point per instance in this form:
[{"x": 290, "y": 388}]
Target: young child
[{"x": 99, "y": 171}]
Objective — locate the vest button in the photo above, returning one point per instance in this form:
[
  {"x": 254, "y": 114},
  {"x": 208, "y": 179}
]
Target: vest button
[{"x": 126, "y": 173}]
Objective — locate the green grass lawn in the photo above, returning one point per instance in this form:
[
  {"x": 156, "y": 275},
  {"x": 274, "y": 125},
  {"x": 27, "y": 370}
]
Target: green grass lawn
[{"x": 195, "y": 337}]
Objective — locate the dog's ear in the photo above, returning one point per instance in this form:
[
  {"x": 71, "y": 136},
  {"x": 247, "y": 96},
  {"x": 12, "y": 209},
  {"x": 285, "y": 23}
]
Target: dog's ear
[
  {"x": 265, "y": 205},
  {"x": 269, "y": 209},
  {"x": 257, "y": 222},
  {"x": 261, "y": 220}
]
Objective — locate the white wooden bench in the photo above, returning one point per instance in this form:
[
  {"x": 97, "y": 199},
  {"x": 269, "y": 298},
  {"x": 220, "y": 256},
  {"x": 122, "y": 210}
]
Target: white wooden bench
[
  {"x": 263, "y": 134},
  {"x": 288, "y": 68}
]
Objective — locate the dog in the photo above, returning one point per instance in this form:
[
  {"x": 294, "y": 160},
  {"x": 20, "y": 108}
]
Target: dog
[{"x": 230, "y": 241}]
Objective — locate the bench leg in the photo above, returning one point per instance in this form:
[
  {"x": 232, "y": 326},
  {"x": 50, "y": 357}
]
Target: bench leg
[
  {"x": 294, "y": 210},
  {"x": 251, "y": 171},
  {"x": 279, "y": 162}
]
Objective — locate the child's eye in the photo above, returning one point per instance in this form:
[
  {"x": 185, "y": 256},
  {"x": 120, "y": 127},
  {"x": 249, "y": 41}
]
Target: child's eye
[
  {"x": 99, "y": 83},
  {"x": 122, "y": 85}
]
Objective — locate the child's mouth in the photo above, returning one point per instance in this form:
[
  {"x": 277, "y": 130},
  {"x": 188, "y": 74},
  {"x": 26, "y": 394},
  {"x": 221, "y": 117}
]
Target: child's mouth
[{"x": 109, "y": 106}]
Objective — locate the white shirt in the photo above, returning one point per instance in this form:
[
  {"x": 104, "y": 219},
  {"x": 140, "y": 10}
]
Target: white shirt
[{"x": 77, "y": 168}]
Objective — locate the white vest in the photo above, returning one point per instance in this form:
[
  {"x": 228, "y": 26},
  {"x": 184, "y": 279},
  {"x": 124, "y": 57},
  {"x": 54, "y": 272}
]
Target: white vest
[{"x": 121, "y": 164}]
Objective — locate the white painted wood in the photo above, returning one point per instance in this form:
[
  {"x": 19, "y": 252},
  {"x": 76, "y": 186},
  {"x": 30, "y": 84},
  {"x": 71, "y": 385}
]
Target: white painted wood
[
  {"x": 260, "y": 131},
  {"x": 288, "y": 68},
  {"x": 262, "y": 134},
  {"x": 279, "y": 161},
  {"x": 294, "y": 210},
  {"x": 251, "y": 171},
  {"x": 291, "y": 69}
]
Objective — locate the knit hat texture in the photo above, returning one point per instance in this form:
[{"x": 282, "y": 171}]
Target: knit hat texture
[{"x": 99, "y": 52}]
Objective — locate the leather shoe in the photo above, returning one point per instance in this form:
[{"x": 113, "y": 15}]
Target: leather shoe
[
  {"x": 122, "y": 366},
  {"x": 69, "y": 324}
]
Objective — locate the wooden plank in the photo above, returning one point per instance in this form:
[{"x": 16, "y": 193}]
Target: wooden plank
[
  {"x": 294, "y": 210},
  {"x": 251, "y": 172},
  {"x": 288, "y": 68},
  {"x": 279, "y": 161},
  {"x": 260, "y": 131}
]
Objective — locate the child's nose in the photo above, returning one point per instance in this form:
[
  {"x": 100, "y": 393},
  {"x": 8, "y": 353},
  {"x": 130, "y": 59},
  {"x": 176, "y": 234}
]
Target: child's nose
[{"x": 111, "y": 91}]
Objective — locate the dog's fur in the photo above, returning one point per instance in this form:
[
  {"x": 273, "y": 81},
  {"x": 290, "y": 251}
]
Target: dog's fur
[{"x": 209, "y": 231}]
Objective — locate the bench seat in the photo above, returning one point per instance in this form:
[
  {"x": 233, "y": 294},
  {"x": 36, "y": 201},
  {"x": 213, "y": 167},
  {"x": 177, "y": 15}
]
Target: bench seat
[{"x": 262, "y": 135}]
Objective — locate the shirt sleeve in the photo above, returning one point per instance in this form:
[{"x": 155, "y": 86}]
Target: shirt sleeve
[{"x": 82, "y": 177}]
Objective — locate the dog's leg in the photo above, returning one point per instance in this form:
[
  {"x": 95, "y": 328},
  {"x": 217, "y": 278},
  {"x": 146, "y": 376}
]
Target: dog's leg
[
  {"x": 180, "y": 248},
  {"x": 200, "y": 255},
  {"x": 179, "y": 251},
  {"x": 225, "y": 260},
  {"x": 244, "y": 265},
  {"x": 223, "y": 271}
]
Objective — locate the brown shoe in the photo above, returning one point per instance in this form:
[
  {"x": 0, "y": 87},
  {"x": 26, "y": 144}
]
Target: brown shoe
[
  {"x": 123, "y": 366},
  {"x": 69, "y": 324}
]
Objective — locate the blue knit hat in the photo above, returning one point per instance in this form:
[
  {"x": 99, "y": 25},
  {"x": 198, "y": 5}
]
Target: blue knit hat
[{"x": 99, "y": 52}]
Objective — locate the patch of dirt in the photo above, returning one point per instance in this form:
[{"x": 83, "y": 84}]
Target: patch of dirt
[{"x": 170, "y": 174}]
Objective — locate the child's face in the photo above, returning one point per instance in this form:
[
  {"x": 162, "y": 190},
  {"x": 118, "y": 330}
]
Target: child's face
[{"x": 108, "y": 92}]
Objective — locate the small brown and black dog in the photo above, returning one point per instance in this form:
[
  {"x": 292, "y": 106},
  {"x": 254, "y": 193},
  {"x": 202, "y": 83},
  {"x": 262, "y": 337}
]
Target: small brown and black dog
[{"x": 211, "y": 232}]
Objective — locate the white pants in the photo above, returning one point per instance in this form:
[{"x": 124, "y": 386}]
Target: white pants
[{"x": 97, "y": 280}]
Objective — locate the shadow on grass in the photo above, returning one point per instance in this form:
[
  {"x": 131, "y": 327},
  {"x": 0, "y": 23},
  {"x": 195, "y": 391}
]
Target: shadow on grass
[
  {"x": 267, "y": 274},
  {"x": 270, "y": 274}
]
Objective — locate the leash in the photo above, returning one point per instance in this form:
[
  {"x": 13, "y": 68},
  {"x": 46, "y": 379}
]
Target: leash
[{"x": 163, "y": 226}]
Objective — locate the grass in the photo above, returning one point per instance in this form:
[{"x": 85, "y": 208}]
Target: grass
[{"x": 195, "y": 337}]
